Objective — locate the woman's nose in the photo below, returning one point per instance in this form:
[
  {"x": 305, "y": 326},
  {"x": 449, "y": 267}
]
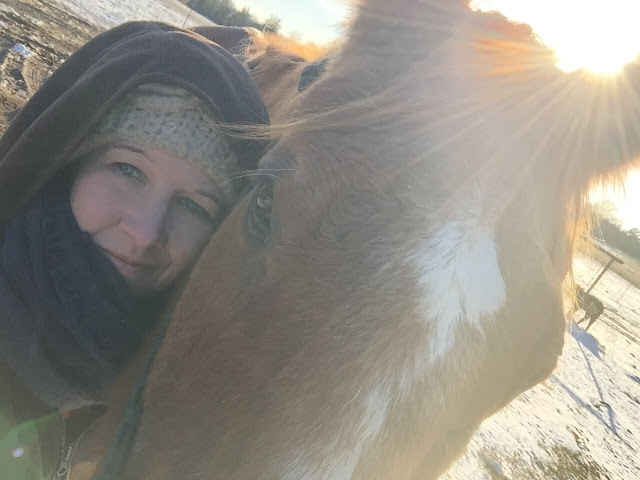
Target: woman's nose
[{"x": 145, "y": 224}]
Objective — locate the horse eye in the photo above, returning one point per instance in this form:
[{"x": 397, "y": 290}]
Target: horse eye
[
  {"x": 259, "y": 218},
  {"x": 263, "y": 199}
]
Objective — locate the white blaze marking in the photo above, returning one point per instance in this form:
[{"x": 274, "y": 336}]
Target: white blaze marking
[
  {"x": 341, "y": 456},
  {"x": 377, "y": 404},
  {"x": 461, "y": 280}
]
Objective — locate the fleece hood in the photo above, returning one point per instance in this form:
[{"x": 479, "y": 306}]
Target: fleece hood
[{"x": 86, "y": 87}]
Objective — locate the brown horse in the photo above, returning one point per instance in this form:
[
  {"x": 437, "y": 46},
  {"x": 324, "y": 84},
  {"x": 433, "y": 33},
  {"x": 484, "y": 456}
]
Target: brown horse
[{"x": 395, "y": 276}]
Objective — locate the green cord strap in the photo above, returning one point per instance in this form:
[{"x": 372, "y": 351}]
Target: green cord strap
[{"x": 116, "y": 458}]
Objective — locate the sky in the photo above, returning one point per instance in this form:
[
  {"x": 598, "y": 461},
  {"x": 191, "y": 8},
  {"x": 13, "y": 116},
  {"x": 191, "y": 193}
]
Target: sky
[
  {"x": 600, "y": 35},
  {"x": 314, "y": 20}
]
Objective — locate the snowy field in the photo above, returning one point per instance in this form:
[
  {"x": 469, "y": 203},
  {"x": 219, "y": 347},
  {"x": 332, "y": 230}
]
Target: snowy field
[
  {"x": 109, "y": 13},
  {"x": 583, "y": 423}
]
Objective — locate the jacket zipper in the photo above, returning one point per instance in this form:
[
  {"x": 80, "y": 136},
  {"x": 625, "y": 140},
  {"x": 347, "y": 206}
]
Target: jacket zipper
[{"x": 63, "y": 469}]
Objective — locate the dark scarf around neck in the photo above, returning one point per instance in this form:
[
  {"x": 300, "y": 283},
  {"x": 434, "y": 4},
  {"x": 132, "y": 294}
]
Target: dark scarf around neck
[{"x": 68, "y": 321}]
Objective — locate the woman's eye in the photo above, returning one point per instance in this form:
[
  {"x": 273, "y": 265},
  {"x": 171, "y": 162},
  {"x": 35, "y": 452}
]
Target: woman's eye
[
  {"x": 194, "y": 208},
  {"x": 128, "y": 170}
]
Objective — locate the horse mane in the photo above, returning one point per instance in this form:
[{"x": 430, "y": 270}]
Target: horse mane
[
  {"x": 260, "y": 42},
  {"x": 276, "y": 63}
]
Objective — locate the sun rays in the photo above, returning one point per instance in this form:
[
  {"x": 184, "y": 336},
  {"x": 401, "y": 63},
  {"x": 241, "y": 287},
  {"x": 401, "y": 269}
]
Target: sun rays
[{"x": 599, "y": 35}]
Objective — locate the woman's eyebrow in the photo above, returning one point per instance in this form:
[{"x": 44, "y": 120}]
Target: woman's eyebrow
[{"x": 124, "y": 146}]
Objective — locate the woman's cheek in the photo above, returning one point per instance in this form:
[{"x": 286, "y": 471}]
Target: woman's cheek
[{"x": 96, "y": 200}]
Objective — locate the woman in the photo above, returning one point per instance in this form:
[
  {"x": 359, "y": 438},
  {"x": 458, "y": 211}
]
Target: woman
[{"x": 112, "y": 179}]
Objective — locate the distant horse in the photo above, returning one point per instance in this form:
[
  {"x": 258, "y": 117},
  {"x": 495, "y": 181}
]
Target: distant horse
[
  {"x": 592, "y": 307},
  {"x": 394, "y": 277}
]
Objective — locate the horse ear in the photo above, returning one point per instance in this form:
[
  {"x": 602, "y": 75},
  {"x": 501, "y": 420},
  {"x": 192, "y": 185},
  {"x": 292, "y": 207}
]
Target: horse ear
[
  {"x": 395, "y": 33},
  {"x": 398, "y": 7}
]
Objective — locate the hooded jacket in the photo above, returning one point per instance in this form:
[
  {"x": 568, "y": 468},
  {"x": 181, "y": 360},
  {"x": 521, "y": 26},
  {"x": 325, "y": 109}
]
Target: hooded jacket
[
  {"x": 38, "y": 145},
  {"x": 93, "y": 80}
]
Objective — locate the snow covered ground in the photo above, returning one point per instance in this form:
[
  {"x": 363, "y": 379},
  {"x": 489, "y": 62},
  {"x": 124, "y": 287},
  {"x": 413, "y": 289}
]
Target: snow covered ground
[
  {"x": 109, "y": 13},
  {"x": 583, "y": 423}
]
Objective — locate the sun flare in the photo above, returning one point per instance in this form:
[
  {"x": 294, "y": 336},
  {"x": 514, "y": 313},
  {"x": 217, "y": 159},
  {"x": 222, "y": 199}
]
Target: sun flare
[{"x": 599, "y": 35}]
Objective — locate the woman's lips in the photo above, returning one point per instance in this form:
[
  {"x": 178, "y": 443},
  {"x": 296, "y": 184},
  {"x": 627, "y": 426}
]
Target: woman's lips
[{"x": 127, "y": 265}]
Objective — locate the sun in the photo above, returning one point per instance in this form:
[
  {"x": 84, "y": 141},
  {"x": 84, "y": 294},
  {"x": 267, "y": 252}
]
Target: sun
[{"x": 599, "y": 35}]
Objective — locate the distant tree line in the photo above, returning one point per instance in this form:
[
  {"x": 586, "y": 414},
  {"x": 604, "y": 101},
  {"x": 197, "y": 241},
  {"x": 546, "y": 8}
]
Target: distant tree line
[
  {"x": 611, "y": 232},
  {"x": 224, "y": 12}
]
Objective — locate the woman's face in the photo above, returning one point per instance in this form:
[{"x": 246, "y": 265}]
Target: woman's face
[{"x": 150, "y": 212}]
